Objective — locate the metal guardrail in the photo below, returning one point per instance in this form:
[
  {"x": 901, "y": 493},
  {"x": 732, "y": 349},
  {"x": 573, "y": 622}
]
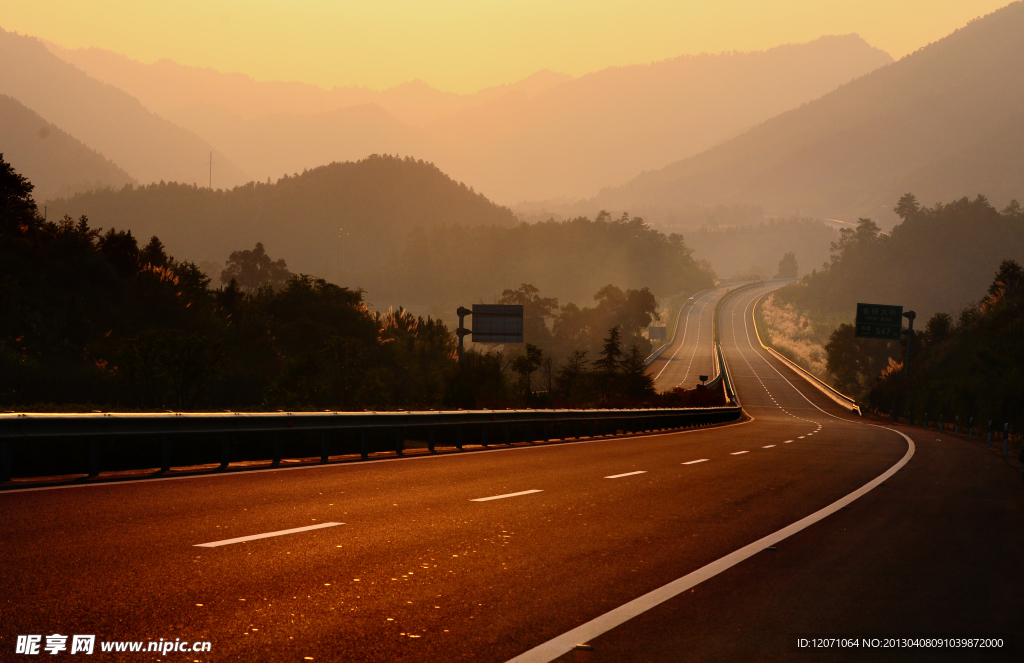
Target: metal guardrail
[{"x": 486, "y": 426}]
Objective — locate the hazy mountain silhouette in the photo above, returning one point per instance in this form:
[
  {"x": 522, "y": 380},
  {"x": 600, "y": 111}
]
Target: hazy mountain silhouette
[
  {"x": 546, "y": 136},
  {"x": 53, "y": 160},
  {"x": 148, "y": 147},
  {"x": 943, "y": 122},
  {"x": 171, "y": 89},
  {"x": 330, "y": 221}
]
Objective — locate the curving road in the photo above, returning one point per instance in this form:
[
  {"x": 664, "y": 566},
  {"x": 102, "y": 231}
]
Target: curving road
[
  {"x": 691, "y": 353},
  {"x": 647, "y": 548}
]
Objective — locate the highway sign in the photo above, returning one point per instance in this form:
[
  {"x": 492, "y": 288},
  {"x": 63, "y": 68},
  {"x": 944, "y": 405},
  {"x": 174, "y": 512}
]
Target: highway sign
[
  {"x": 879, "y": 321},
  {"x": 497, "y": 323},
  {"x": 656, "y": 333}
]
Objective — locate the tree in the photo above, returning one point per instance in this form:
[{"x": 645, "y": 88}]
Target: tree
[
  {"x": 525, "y": 365},
  {"x": 907, "y": 206},
  {"x": 637, "y": 385},
  {"x": 611, "y": 353},
  {"x": 18, "y": 209},
  {"x": 787, "y": 266},
  {"x": 254, "y": 269}
]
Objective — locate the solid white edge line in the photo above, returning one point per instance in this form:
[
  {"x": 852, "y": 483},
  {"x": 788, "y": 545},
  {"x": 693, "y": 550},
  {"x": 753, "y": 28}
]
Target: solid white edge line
[
  {"x": 691, "y": 462},
  {"x": 265, "y": 535},
  {"x": 627, "y": 474},
  {"x": 565, "y": 643},
  {"x": 501, "y": 497}
]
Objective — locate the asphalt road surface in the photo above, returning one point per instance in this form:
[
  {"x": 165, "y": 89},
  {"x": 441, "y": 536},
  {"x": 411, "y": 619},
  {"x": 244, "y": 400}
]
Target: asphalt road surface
[
  {"x": 691, "y": 353},
  {"x": 410, "y": 562}
]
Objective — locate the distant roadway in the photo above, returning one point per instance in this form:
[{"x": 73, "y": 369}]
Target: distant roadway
[{"x": 510, "y": 553}]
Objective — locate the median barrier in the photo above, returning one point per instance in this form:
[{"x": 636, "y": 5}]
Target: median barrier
[{"x": 72, "y": 444}]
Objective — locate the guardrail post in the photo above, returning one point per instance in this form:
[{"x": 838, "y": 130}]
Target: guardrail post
[
  {"x": 924, "y": 424},
  {"x": 460, "y": 434},
  {"x": 1006, "y": 438},
  {"x": 277, "y": 449},
  {"x": 890, "y": 417},
  {"x": 545, "y": 433},
  {"x": 576, "y": 429},
  {"x": 508, "y": 433},
  {"x": 225, "y": 451},
  {"x": 956, "y": 427},
  {"x": 940, "y": 422},
  {"x": 970, "y": 429},
  {"x": 483, "y": 435},
  {"x": 325, "y": 446},
  {"x": 94, "y": 456},
  {"x": 431, "y": 438},
  {"x": 165, "y": 454},
  {"x": 6, "y": 460},
  {"x": 400, "y": 441},
  {"x": 988, "y": 436},
  {"x": 364, "y": 443}
]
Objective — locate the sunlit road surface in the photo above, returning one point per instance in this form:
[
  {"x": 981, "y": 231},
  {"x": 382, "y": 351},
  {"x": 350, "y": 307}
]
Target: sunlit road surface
[
  {"x": 691, "y": 353},
  {"x": 487, "y": 556}
]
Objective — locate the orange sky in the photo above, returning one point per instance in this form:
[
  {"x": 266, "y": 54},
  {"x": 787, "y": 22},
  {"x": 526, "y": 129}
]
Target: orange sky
[{"x": 462, "y": 45}]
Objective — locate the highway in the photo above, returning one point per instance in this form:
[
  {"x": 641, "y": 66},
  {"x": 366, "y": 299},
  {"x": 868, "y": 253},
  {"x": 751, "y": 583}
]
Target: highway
[
  {"x": 690, "y": 354},
  {"x": 509, "y": 553}
]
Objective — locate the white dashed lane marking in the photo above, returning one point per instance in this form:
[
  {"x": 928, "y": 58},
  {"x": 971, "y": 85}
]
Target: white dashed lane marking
[
  {"x": 737, "y": 453},
  {"x": 627, "y": 474},
  {"x": 691, "y": 462}
]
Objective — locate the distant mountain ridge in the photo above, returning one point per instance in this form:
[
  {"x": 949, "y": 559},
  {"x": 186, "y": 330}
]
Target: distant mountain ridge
[
  {"x": 943, "y": 122},
  {"x": 148, "y": 147},
  {"x": 55, "y": 162},
  {"x": 546, "y": 136},
  {"x": 331, "y": 221}
]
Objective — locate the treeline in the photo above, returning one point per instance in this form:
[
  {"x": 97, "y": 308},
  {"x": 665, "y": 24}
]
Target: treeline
[
  {"x": 936, "y": 259},
  {"x": 968, "y": 366},
  {"x": 440, "y": 268},
  {"x": 93, "y": 319}
]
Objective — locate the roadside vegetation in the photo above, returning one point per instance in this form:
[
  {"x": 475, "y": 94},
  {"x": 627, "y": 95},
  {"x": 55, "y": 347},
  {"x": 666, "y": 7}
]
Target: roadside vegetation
[{"x": 96, "y": 319}]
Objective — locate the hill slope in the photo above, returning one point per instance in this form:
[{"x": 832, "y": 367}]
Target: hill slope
[
  {"x": 106, "y": 119},
  {"x": 330, "y": 221},
  {"x": 942, "y": 122},
  {"x": 55, "y": 161}
]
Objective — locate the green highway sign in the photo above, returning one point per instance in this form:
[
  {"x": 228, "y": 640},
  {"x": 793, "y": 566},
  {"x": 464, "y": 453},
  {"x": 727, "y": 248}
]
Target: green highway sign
[{"x": 879, "y": 321}]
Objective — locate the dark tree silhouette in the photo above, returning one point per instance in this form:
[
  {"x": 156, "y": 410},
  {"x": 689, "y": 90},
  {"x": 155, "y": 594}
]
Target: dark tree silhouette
[{"x": 254, "y": 269}]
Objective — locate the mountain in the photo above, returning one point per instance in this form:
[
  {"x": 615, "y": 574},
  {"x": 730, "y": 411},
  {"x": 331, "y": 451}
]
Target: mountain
[
  {"x": 546, "y": 136},
  {"x": 331, "y": 221},
  {"x": 943, "y": 122},
  {"x": 53, "y": 160},
  {"x": 171, "y": 89},
  {"x": 150, "y": 148}
]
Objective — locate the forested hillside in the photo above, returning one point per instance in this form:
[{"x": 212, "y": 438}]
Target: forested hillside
[
  {"x": 937, "y": 259},
  {"x": 334, "y": 221}
]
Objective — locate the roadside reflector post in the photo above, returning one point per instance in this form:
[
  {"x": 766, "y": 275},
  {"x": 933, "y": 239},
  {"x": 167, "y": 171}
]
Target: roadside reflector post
[
  {"x": 924, "y": 424},
  {"x": 970, "y": 429},
  {"x": 165, "y": 454},
  {"x": 940, "y": 422},
  {"x": 325, "y": 446},
  {"x": 431, "y": 438},
  {"x": 225, "y": 451},
  {"x": 277, "y": 449},
  {"x": 956, "y": 427},
  {"x": 988, "y": 436},
  {"x": 364, "y": 443},
  {"x": 1006, "y": 438},
  {"x": 6, "y": 460}
]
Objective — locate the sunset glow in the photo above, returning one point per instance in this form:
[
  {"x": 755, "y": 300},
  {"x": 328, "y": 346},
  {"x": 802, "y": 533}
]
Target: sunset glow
[{"x": 462, "y": 46}]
